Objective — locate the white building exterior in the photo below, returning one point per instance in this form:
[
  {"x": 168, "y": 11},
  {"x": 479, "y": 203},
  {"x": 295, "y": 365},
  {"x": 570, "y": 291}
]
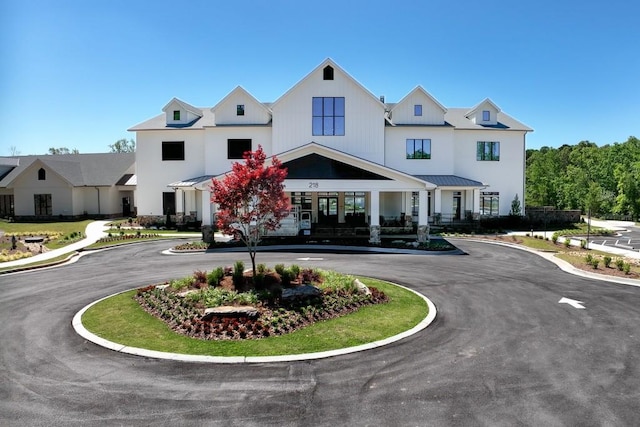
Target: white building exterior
[{"x": 352, "y": 158}]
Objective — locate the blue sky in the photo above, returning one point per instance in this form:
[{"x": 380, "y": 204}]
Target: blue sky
[{"x": 78, "y": 74}]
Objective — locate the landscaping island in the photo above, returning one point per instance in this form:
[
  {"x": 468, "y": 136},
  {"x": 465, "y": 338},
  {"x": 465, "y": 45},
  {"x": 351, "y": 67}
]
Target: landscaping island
[{"x": 283, "y": 311}]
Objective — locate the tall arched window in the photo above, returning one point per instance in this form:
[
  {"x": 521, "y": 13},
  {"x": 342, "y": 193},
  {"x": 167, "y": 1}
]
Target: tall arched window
[{"x": 42, "y": 174}]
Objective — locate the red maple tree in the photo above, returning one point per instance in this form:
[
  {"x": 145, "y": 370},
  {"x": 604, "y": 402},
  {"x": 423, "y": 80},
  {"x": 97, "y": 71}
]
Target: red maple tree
[{"x": 251, "y": 199}]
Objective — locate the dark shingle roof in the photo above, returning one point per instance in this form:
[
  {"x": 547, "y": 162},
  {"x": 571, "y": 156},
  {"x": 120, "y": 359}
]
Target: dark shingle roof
[{"x": 99, "y": 169}]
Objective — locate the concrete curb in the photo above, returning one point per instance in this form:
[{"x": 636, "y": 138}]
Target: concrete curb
[
  {"x": 563, "y": 265},
  {"x": 89, "y": 336}
]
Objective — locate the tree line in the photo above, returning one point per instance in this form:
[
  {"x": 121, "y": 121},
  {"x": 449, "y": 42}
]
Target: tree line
[{"x": 601, "y": 180}]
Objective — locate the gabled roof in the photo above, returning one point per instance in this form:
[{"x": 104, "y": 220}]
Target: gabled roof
[
  {"x": 184, "y": 105},
  {"x": 326, "y": 62},
  {"x": 457, "y": 117},
  {"x": 486, "y": 101},
  {"x": 421, "y": 90},
  {"x": 239, "y": 89},
  {"x": 79, "y": 170},
  {"x": 159, "y": 122}
]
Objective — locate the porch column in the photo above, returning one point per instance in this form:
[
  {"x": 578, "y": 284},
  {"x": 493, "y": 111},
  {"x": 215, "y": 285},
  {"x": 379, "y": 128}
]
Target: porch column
[
  {"x": 374, "y": 220},
  {"x": 179, "y": 205},
  {"x": 407, "y": 209},
  {"x": 205, "y": 198},
  {"x": 476, "y": 203},
  {"x": 437, "y": 205},
  {"x": 423, "y": 216}
]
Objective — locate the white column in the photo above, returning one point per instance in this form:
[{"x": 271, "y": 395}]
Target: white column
[
  {"x": 374, "y": 207},
  {"x": 423, "y": 207},
  {"x": 437, "y": 202},
  {"x": 179, "y": 201},
  {"x": 476, "y": 203},
  {"x": 206, "y": 216}
]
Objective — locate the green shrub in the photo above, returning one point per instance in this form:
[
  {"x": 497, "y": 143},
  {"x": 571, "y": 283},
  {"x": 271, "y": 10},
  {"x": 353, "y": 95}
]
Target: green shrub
[
  {"x": 567, "y": 242},
  {"x": 180, "y": 284},
  {"x": 554, "y": 238},
  {"x": 588, "y": 259},
  {"x": 626, "y": 268},
  {"x": 279, "y": 269},
  {"x": 620, "y": 264},
  {"x": 261, "y": 268},
  {"x": 238, "y": 273},
  {"x": 295, "y": 271},
  {"x": 606, "y": 261},
  {"x": 583, "y": 244},
  {"x": 214, "y": 277},
  {"x": 594, "y": 263}
]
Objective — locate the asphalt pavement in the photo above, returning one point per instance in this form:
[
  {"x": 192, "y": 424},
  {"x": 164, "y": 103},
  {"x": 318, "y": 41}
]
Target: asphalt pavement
[{"x": 502, "y": 350}]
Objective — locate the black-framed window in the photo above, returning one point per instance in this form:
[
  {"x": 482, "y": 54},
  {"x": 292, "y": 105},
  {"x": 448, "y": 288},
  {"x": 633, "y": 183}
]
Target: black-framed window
[
  {"x": 6, "y": 205},
  {"x": 240, "y": 110},
  {"x": 489, "y": 203},
  {"x": 176, "y": 114},
  {"x": 328, "y": 116},
  {"x": 42, "y": 204},
  {"x": 172, "y": 150},
  {"x": 488, "y": 151},
  {"x": 42, "y": 174},
  {"x": 415, "y": 205},
  {"x": 327, "y": 73},
  {"x": 418, "y": 148},
  {"x": 417, "y": 110},
  {"x": 302, "y": 199},
  {"x": 237, "y": 147},
  {"x": 354, "y": 202},
  {"x": 169, "y": 203}
]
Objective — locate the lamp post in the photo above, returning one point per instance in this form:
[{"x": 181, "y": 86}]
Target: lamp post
[{"x": 588, "y": 226}]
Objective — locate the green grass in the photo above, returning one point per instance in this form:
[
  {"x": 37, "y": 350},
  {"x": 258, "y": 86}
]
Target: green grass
[
  {"x": 35, "y": 227},
  {"x": 120, "y": 319}
]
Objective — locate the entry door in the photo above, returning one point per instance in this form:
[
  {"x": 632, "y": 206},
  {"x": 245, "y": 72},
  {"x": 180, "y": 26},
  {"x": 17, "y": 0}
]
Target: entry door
[
  {"x": 328, "y": 210},
  {"x": 126, "y": 207},
  {"x": 457, "y": 202}
]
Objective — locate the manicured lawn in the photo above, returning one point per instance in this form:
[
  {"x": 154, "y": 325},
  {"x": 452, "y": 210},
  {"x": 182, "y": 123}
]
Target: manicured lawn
[
  {"x": 120, "y": 319},
  {"x": 35, "y": 227}
]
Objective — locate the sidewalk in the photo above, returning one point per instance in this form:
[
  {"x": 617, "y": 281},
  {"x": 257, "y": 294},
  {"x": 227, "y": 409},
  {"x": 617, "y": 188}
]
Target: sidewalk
[{"x": 93, "y": 232}]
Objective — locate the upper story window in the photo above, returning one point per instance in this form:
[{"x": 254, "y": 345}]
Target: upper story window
[
  {"x": 486, "y": 115},
  {"x": 418, "y": 148},
  {"x": 327, "y": 73},
  {"x": 417, "y": 110},
  {"x": 488, "y": 150},
  {"x": 176, "y": 114},
  {"x": 172, "y": 150},
  {"x": 328, "y": 116},
  {"x": 240, "y": 110},
  {"x": 237, "y": 147},
  {"x": 42, "y": 174}
]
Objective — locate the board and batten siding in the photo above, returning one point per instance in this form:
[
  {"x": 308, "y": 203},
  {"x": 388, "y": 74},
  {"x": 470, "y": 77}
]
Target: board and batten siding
[
  {"x": 216, "y": 159},
  {"x": 364, "y": 118},
  {"x": 403, "y": 113},
  {"x": 442, "y": 150}
]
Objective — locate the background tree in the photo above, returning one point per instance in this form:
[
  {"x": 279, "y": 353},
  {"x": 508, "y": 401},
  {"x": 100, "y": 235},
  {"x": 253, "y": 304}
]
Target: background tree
[
  {"x": 13, "y": 151},
  {"x": 251, "y": 199},
  {"x": 63, "y": 150},
  {"x": 123, "y": 146}
]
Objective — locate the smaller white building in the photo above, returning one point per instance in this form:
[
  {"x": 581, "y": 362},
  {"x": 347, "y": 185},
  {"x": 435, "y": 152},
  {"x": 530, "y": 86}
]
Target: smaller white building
[
  {"x": 353, "y": 159},
  {"x": 67, "y": 186}
]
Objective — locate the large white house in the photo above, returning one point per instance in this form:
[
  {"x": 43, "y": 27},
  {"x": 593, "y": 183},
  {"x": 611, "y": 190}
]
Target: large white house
[{"x": 352, "y": 158}]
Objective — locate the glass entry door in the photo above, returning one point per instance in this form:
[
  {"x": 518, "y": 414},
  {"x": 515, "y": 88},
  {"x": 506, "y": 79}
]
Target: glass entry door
[{"x": 327, "y": 210}]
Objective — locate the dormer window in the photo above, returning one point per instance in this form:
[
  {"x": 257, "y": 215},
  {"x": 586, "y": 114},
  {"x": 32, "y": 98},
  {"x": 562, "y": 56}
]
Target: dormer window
[
  {"x": 327, "y": 73},
  {"x": 240, "y": 110},
  {"x": 417, "y": 110},
  {"x": 486, "y": 115},
  {"x": 42, "y": 174},
  {"x": 176, "y": 115}
]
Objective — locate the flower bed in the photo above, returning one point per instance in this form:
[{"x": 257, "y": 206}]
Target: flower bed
[{"x": 181, "y": 303}]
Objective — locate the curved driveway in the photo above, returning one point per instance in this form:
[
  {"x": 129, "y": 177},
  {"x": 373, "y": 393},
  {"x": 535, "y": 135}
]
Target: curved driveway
[{"x": 502, "y": 351}]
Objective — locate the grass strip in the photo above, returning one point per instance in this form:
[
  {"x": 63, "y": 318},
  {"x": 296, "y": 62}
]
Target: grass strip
[{"x": 120, "y": 319}]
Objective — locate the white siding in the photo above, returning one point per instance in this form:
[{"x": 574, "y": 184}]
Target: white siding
[
  {"x": 442, "y": 150},
  {"x": 215, "y": 145},
  {"x": 27, "y": 185},
  {"x": 505, "y": 176},
  {"x": 254, "y": 113},
  {"x": 403, "y": 113},
  {"x": 364, "y": 118},
  {"x": 154, "y": 174}
]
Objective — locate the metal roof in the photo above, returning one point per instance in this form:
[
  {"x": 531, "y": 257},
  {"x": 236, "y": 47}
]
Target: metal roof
[{"x": 450, "y": 181}]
